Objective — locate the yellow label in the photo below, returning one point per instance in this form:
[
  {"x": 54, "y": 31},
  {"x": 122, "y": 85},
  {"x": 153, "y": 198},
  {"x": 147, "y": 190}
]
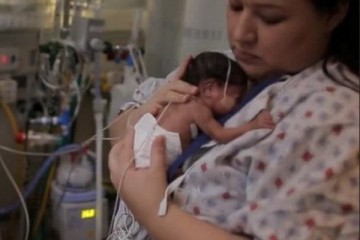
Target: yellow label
[{"x": 87, "y": 213}]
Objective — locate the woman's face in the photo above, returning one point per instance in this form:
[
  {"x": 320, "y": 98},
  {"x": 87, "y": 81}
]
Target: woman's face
[{"x": 276, "y": 36}]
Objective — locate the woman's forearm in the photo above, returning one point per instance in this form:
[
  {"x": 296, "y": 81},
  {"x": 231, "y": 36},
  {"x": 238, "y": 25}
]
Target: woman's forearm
[{"x": 179, "y": 225}]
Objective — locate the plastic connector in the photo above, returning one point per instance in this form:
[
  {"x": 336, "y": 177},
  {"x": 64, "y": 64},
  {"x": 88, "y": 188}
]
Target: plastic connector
[
  {"x": 8, "y": 90},
  {"x": 36, "y": 138},
  {"x": 98, "y": 105},
  {"x": 65, "y": 118},
  {"x": 45, "y": 120},
  {"x": 20, "y": 137}
]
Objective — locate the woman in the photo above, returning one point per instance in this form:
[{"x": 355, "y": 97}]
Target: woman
[{"x": 299, "y": 181}]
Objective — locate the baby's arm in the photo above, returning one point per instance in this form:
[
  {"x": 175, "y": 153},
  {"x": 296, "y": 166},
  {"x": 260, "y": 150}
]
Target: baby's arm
[{"x": 207, "y": 123}]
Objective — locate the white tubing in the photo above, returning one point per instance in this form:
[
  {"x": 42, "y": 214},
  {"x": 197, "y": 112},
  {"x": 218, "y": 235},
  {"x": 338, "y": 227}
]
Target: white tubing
[
  {"x": 99, "y": 176},
  {"x": 136, "y": 26}
]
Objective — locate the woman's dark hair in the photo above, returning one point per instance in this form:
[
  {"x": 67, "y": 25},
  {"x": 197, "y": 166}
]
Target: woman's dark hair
[
  {"x": 344, "y": 42},
  {"x": 214, "y": 65}
]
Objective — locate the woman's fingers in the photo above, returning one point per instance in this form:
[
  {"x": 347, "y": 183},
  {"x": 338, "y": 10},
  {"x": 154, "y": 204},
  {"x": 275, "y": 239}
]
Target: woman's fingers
[
  {"x": 158, "y": 153},
  {"x": 175, "y": 90},
  {"x": 182, "y": 87},
  {"x": 179, "y": 91},
  {"x": 113, "y": 164},
  {"x": 128, "y": 146},
  {"x": 182, "y": 68}
]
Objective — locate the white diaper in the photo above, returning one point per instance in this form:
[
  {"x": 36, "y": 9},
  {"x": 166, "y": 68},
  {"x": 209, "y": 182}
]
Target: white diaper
[{"x": 146, "y": 130}]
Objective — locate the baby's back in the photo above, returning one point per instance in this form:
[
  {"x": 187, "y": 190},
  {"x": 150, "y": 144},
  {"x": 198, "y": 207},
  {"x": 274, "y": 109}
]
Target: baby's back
[{"x": 178, "y": 118}]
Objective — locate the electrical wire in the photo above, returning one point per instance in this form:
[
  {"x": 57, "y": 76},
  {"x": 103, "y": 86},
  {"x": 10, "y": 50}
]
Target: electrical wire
[
  {"x": 84, "y": 143},
  {"x": 134, "y": 60},
  {"x": 35, "y": 154},
  {"x": 63, "y": 63},
  {"x": 78, "y": 102},
  {"x": 13, "y": 123},
  {"x": 118, "y": 118},
  {"x": 128, "y": 232},
  {"x": 10, "y": 116},
  {"x": 117, "y": 201},
  {"x": 45, "y": 80},
  {"x": 64, "y": 150},
  {"x": 48, "y": 84},
  {"x": 39, "y": 174},
  {"x": 22, "y": 199},
  {"x": 44, "y": 202},
  {"x": 20, "y": 176},
  {"x": 142, "y": 63}
]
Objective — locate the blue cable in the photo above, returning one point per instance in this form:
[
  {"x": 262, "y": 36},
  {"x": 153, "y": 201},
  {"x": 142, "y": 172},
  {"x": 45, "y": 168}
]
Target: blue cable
[{"x": 42, "y": 171}]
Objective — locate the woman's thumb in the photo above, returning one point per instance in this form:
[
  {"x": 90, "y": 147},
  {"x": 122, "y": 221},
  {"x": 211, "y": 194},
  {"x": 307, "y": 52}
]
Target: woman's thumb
[{"x": 158, "y": 153}]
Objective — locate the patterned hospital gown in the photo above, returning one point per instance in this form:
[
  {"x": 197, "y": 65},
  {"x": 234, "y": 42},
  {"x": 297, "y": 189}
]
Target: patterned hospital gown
[{"x": 299, "y": 181}]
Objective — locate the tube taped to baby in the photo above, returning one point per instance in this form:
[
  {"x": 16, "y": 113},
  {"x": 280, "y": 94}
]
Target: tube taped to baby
[{"x": 147, "y": 129}]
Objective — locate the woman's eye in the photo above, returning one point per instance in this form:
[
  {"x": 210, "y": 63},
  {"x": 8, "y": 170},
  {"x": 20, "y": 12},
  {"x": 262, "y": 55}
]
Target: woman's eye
[
  {"x": 236, "y": 6},
  {"x": 272, "y": 20}
]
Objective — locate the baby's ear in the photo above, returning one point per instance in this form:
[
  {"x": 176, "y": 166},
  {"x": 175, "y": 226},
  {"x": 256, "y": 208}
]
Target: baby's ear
[
  {"x": 337, "y": 16},
  {"x": 206, "y": 87}
]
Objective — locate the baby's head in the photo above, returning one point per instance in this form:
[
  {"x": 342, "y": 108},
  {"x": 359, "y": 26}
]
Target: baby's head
[{"x": 209, "y": 72}]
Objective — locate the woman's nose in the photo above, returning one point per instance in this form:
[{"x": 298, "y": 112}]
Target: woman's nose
[{"x": 245, "y": 29}]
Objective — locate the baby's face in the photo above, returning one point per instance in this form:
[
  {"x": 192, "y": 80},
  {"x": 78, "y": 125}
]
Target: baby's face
[{"x": 223, "y": 104}]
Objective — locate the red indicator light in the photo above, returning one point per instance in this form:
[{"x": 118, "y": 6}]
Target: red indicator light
[{"x": 4, "y": 59}]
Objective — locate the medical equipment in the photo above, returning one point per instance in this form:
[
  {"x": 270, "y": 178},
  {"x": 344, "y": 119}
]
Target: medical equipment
[
  {"x": 74, "y": 212},
  {"x": 85, "y": 30},
  {"x": 22, "y": 200},
  {"x": 18, "y": 50},
  {"x": 48, "y": 82},
  {"x": 8, "y": 90},
  {"x": 122, "y": 92},
  {"x": 9, "y": 59},
  {"x": 17, "y": 69}
]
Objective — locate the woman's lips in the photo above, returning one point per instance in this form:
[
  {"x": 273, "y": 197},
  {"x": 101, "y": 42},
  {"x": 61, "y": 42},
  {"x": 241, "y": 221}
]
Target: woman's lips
[{"x": 246, "y": 58}]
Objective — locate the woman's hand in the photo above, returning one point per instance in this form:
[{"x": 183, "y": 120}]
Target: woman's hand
[
  {"x": 141, "y": 189},
  {"x": 175, "y": 91}
]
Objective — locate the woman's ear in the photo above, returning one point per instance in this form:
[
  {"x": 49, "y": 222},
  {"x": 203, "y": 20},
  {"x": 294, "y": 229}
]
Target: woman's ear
[
  {"x": 334, "y": 18},
  {"x": 206, "y": 87}
]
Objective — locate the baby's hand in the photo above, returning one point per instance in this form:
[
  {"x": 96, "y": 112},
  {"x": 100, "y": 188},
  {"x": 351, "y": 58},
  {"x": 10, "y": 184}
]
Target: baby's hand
[{"x": 263, "y": 120}]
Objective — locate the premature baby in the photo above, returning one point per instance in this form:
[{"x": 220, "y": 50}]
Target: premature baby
[{"x": 221, "y": 84}]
